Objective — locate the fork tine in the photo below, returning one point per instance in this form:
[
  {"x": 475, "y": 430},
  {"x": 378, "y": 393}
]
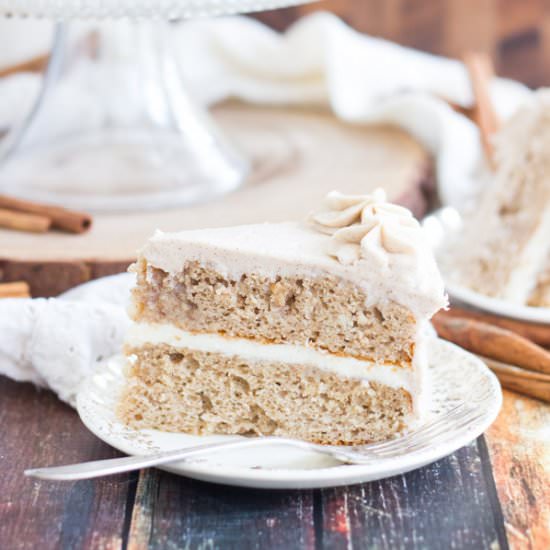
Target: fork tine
[
  {"x": 429, "y": 440},
  {"x": 442, "y": 438},
  {"x": 427, "y": 444},
  {"x": 436, "y": 428},
  {"x": 442, "y": 420},
  {"x": 424, "y": 443}
]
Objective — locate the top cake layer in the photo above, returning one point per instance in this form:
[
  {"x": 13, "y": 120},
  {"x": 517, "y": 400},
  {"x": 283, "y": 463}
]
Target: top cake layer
[
  {"x": 294, "y": 249},
  {"x": 357, "y": 281}
]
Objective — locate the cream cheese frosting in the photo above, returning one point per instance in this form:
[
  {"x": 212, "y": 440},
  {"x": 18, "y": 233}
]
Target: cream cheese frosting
[
  {"x": 363, "y": 226},
  {"x": 411, "y": 380},
  {"x": 411, "y": 279},
  {"x": 164, "y": 333}
]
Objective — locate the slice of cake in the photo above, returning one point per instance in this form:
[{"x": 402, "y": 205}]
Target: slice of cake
[
  {"x": 506, "y": 242},
  {"x": 313, "y": 331},
  {"x": 540, "y": 297}
]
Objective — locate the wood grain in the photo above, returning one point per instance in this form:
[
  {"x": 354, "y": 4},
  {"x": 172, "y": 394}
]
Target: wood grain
[
  {"x": 513, "y": 32},
  {"x": 449, "y": 504},
  {"x": 291, "y": 171},
  {"x": 172, "y": 512},
  {"x": 37, "y": 430},
  {"x": 519, "y": 444}
]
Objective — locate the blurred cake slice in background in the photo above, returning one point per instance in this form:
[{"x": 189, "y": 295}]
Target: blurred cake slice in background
[
  {"x": 540, "y": 297},
  {"x": 314, "y": 331},
  {"x": 503, "y": 249}
]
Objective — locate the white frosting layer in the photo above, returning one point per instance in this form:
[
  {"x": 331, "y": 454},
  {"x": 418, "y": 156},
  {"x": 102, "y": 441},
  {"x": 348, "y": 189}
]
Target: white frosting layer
[
  {"x": 294, "y": 249},
  {"x": 350, "y": 367}
]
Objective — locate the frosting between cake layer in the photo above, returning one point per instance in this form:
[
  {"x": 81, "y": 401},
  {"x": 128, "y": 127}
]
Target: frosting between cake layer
[
  {"x": 296, "y": 250},
  {"x": 163, "y": 333}
]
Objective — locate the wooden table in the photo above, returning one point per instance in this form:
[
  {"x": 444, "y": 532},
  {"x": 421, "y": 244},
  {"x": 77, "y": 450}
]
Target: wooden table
[{"x": 494, "y": 493}]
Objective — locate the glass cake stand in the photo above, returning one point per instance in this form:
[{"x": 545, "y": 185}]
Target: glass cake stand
[{"x": 113, "y": 127}]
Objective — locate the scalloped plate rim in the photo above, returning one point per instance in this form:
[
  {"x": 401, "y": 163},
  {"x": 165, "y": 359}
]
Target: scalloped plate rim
[{"x": 282, "y": 478}]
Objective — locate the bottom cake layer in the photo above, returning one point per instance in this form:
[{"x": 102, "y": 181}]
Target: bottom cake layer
[{"x": 199, "y": 392}]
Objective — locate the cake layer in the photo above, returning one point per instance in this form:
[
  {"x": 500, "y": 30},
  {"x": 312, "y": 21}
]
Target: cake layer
[
  {"x": 540, "y": 297},
  {"x": 201, "y": 392},
  {"x": 323, "y": 311},
  {"x": 295, "y": 250},
  {"x": 504, "y": 243},
  {"x": 503, "y": 252},
  {"x": 252, "y": 351}
]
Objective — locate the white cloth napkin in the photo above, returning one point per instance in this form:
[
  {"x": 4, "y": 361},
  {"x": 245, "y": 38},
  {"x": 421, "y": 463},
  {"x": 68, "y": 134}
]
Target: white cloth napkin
[{"x": 56, "y": 343}]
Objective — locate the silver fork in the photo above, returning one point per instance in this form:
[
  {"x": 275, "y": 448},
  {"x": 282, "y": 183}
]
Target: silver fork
[{"x": 434, "y": 433}]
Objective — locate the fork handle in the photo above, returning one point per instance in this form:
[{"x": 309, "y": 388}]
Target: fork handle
[{"x": 98, "y": 468}]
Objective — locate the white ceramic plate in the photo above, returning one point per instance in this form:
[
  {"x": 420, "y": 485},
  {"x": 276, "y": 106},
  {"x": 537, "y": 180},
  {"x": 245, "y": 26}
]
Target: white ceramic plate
[
  {"x": 498, "y": 307},
  {"x": 455, "y": 376}
]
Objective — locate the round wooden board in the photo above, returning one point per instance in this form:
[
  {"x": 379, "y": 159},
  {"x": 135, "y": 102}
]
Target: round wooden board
[{"x": 298, "y": 155}]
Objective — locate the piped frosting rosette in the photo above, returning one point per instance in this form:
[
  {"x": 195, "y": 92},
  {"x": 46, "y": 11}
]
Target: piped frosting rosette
[{"x": 366, "y": 226}]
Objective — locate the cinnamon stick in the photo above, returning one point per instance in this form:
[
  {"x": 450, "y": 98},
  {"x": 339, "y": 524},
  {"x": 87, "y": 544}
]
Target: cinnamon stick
[
  {"x": 480, "y": 70},
  {"x": 24, "y": 222},
  {"x": 532, "y": 384},
  {"x": 493, "y": 342},
  {"x": 468, "y": 112},
  {"x": 536, "y": 332},
  {"x": 34, "y": 65},
  {"x": 61, "y": 218},
  {"x": 19, "y": 289}
]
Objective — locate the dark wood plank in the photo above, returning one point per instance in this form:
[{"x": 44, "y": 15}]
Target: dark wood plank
[
  {"x": 37, "y": 430},
  {"x": 174, "y": 512},
  {"x": 452, "y": 503},
  {"x": 449, "y": 504}
]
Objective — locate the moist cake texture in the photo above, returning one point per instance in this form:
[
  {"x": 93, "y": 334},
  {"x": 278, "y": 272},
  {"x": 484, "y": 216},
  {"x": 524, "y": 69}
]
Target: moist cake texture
[
  {"x": 223, "y": 394},
  {"x": 309, "y": 330},
  {"x": 505, "y": 243},
  {"x": 540, "y": 296},
  {"x": 324, "y": 312}
]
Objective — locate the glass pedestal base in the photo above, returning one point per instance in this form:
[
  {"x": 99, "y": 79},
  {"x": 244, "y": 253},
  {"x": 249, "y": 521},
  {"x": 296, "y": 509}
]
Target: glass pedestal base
[{"x": 114, "y": 128}]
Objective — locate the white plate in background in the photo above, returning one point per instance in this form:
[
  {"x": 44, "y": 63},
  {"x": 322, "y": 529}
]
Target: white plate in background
[
  {"x": 441, "y": 227},
  {"x": 497, "y": 306}
]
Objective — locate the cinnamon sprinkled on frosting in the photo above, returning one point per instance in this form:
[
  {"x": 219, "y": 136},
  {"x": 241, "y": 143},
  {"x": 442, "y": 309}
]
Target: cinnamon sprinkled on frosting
[{"x": 364, "y": 226}]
